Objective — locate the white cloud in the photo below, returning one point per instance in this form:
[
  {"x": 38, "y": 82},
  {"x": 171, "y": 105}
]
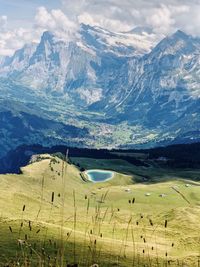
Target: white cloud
[
  {"x": 161, "y": 19},
  {"x": 44, "y": 19},
  {"x": 164, "y": 16},
  {"x": 3, "y": 22},
  {"x": 11, "y": 40},
  {"x": 97, "y": 20},
  {"x": 190, "y": 20},
  {"x": 55, "y": 21}
]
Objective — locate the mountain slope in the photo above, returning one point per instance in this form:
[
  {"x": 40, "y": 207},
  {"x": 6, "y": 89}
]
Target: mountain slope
[
  {"x": 164, "y": 90},
  {"x": 121, "y": 87},
  {"x": 70, "y": 68}
]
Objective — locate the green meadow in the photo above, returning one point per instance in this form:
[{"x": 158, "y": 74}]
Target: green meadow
[{"x": 50, "y": 216}]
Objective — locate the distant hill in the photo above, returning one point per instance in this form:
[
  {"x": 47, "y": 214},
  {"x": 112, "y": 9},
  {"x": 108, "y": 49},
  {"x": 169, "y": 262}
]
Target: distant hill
[{"x": 177, "y": 156}]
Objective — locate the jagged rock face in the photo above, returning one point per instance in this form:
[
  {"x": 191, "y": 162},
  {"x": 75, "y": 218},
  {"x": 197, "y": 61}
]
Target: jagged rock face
[
  {"x": 165, "y": 82},
  {"x": 83, "y": 70},
  {"x": 129, "y": 77},
  {"x": 169, "y": 86},
  {"x": 54, "y": 66},
  {"x": 160, "y": 89}
]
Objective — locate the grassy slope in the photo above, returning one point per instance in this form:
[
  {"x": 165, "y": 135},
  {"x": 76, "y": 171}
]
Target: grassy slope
[{"x": 115, "y": 218}]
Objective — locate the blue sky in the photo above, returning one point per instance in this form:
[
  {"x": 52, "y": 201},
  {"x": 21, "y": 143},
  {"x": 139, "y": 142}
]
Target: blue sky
[
  {"x": 23, "y": 11},
  {"x": 23, "y": 21}
]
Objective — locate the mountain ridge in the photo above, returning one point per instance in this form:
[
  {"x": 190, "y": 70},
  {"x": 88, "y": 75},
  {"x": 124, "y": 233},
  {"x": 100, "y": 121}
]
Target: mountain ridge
[{"x": 122, "y": 95}]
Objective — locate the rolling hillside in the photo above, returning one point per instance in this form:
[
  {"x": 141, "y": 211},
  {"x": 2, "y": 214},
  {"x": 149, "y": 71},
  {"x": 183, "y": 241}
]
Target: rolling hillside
[{"x": 51, "y": 215}]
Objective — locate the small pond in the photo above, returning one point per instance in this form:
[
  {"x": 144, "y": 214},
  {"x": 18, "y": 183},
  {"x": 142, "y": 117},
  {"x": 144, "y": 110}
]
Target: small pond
[{"x": 99, "y": 175}]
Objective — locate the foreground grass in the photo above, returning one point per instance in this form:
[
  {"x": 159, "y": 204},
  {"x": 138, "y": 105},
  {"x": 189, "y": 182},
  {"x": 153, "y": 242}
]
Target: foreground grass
[{"x": 50, "y": 219}]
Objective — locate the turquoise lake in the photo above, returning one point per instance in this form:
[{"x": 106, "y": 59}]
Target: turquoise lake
[{"x": 99, "y": 175}]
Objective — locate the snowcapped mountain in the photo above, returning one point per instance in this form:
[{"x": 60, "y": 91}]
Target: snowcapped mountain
[
  {"x": 71, "y": 68},
  {"x": 169, "y": 73},
  {"x": 134, "y": 43},
  {"x": 18, "y": 62},
  {"x": 165, "y": 88},
  {"x": 135, "y": 79}
]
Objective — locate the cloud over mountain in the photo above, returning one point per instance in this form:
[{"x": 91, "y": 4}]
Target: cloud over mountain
[
  {"x": 164, "y": 17},
  {"x": 56, "y": 21}
]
